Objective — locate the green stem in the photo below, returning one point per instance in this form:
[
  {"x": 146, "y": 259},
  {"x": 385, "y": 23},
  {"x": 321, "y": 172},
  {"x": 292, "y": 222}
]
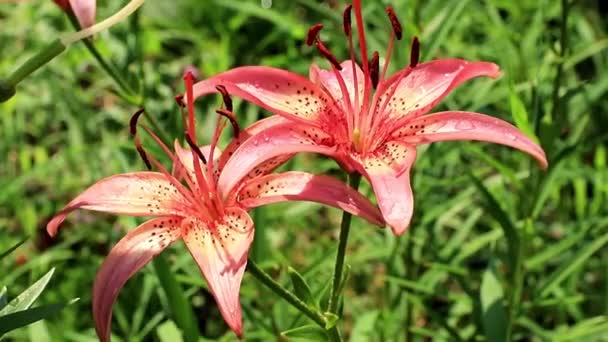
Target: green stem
[
  {"x": 563, "y": 46},
  {"x": 7, "y": 87},
  {"x": 353, "y": 181},
  {"x": 180, "y": 308},
  {"x": 265, "y": 279},
  {"x": 35, "y": 62}
]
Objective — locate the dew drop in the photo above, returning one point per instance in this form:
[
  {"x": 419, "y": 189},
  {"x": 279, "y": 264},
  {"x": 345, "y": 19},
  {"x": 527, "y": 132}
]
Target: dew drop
[{"x": 511, "y": 136}]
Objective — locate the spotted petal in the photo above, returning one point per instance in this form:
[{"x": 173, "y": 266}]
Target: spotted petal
[
  {"x": 267, "y": 144},
  {"x": 136, "y": 194},
  {"x": 221, "y": 254},
  {"x": 279, "y": 91},
  {"x": 446, "y": 126},
  {"x": 327, "y": 79},
  {"x": 427, "y": 84},
  {"x": 302, "y": 186},
  {"x": 186, "y": 160},
  {"x": 388, "y": 170},
  {"x": 131, "y": 253}
]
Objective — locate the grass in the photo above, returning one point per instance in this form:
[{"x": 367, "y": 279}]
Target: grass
[{"x": 494, "y": 240}]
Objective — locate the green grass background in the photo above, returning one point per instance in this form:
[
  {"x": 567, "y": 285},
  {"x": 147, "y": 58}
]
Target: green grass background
[{"x": 481, "y": 211}]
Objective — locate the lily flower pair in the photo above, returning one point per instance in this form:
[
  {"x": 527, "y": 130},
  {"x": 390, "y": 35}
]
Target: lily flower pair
[
  {"x": 188, "y": 203},
  {"x": 368, "y": 122}
]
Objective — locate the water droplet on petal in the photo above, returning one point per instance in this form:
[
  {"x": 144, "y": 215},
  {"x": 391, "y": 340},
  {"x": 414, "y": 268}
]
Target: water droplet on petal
[
  {"x": 511, "y": 136},
  {"x": 266, "y": 139},
  {"x": 255, "y": 142}
]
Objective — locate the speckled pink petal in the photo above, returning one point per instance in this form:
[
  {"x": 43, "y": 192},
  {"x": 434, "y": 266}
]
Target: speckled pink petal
[
  {"x": 221, "y": 254},
  {"x": 302, "y": 186},
  {"x": 270, "y": 143},
  {"x": 446, "y": 126},
  {"x": 185, "y": 157},
  {"x": 84, "y": 10},
  {"x": 327, "y": 79},
  {"x": 389, "y": 173},
  {"x": 129, "y": 255},
  {"x": 279, "y": 91},
  {"x": 136, "y": 194},
  {"x": 427, "y": 84}
]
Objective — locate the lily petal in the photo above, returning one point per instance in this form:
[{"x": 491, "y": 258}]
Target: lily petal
[
  {"x": 221, "y": 255},
  {"x": 389, "y": 173},
  {"x": 327, "y": 79},
  {"x": 185, "y": 157},
  {"x": 446, "y": 126},
  {"x": 279, "y": 91},
  {"x": 267, "y": 144},
  {"x": 129, "y": 255},
  {"x": 136, "y": 194},
  {"x": 250, "y": 131},
  {"x": 84, "y": 10},
  {"x": 302, "y": 186},
  {"x": 428, "y": 83}
]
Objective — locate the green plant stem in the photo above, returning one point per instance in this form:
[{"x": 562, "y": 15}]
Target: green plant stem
[
  {"x": 35, "y": 62},
  {"x": 563, "y": 47},
  {"x": 291, "y": 298},
  {"x": 353, "y": 181},
  {"x": 180, "y": 308}
]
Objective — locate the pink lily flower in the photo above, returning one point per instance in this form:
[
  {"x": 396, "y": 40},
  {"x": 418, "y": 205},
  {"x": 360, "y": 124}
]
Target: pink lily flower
[
  {"x": 367, "y": 122},
  {"x": 211, "y": 219},
  {"x": 84, "y": 10}
]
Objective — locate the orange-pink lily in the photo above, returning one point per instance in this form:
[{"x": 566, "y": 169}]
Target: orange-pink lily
[
  {"x": 369, "y": 123},
  {"x": 210, "y": 218},
  {"x": 84, "y": 10}
]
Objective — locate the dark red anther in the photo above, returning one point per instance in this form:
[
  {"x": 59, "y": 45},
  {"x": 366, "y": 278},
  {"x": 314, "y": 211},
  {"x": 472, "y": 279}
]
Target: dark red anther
[
  {"x": 142, "y": 153},
  {"x": 394, "y": 22},
  {"x": 374, "y": 68},
  {"x": 225, "y": 97},
  {"x": 195, "y": 148},
  {"x": 346, "y": 22},
  {"x": 313, "y": 34},
  {"x": 179, "y": 99},
  {"x": 228, "y": 114},
  {"x": 328, "y": 55},
  {"x": 133, "y": 121},
  {"x": 414, "y": 52}
]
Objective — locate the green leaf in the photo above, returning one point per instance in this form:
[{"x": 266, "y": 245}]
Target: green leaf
[
  {"x": 301, "y": 288},
  {"x": 567, "y": 269},
  {"x": 27, "y": 297},
  {"x": 169, "y": 332},
  {"x": 494, "y": 313},
  {"x": 12, "y": 248},
  {"x": 500, "y": 215},
  {"x": 3, "y": 299},
  {"x": 181, "y": 309},
  {"x": 363, "y": 329},
  {"x": 22, "y": 318},
  {"x": 520, "y": 115},
  {"x": 310, "y": 332}
]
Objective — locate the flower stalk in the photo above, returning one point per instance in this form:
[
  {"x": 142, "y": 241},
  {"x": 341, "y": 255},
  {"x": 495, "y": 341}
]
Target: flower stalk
[{"x": 57, "y": 46}]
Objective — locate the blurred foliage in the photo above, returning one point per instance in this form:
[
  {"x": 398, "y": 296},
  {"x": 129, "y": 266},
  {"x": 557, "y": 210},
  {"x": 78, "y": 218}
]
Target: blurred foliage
[{"x": 449, "y": 277}]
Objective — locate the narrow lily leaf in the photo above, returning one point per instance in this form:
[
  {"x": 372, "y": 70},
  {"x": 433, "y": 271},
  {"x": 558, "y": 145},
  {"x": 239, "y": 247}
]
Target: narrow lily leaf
[
  {"x": 12, "y": 248},
  {"x": 3, "y": 300},
  {"x": 500, "y": 215},
  {"x": 301, "y": 288},
  {"x": 565, "y": 270},
  {"x": 538, "y": 261},
  {"x": 168, "y": 331},
  {"x": 27, "y": 297},
  {"x": 520, "y": 115},
  {"x": 22, "y": 318},
  {"x": 586, "y": 330},
  {"x": 494, "y": 313},
  {"x": 180, "y": 308},
  {"x": 309, "y": 332}
]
